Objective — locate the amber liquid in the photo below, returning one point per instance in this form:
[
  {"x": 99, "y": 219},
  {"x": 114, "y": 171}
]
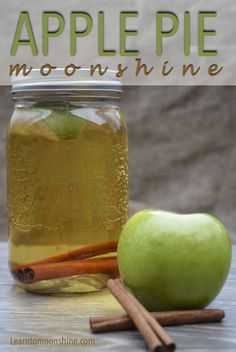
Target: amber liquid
[{"x": 67, "y": 187}]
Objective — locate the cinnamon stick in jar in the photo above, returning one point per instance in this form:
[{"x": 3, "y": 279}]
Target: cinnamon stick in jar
[
  {"x": 49, "y": 271},
  {"x": 35, "y": 271},
  {"x": 85, "y": 252}
]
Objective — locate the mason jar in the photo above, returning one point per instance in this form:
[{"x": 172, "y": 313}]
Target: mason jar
[{"x": 67, "y": 180}]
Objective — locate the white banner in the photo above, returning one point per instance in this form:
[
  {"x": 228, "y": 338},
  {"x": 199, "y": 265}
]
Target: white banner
[{"x": 180, "y": 42}]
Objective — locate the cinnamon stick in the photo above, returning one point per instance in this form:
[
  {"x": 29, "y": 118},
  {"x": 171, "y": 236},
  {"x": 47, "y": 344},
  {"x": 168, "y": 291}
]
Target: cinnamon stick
[
  {"x": 155, "y": 325},
  {"x": 152, "y": 340},
  {"x": 47, "y": 271},
  {"x": 123, "y": 322},
  {"x": 25, "y": 272},
  {"x": 90, "y": 251}
]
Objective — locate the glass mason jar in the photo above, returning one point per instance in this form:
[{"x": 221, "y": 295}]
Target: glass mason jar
[{"x": 67, "y": 181}]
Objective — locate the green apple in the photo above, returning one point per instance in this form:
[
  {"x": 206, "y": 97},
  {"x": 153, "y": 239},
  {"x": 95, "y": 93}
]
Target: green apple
[
  {"x": 174, "y": 261},
  {"x": 65, "y": 124}
]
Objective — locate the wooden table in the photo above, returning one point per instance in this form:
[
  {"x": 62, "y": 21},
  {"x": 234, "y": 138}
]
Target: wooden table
[{"x": 25, "y": 316}]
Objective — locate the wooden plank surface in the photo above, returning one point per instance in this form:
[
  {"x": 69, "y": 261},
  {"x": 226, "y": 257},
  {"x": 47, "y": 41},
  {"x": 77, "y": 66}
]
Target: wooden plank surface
[{"x": 24, "y": 315}]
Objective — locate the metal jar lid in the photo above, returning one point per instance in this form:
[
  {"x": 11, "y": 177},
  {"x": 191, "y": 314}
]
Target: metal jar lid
[{"x": 57, "y": 80}]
